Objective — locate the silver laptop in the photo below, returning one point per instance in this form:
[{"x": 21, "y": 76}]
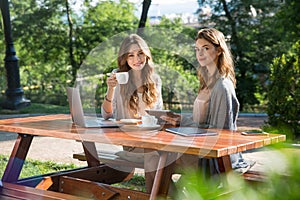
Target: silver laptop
[{"x": 78, "y": 114}]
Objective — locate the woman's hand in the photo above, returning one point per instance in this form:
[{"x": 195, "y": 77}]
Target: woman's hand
[
  {"x": 111, "y": 81},
  {"x": 174, "y": 119}
]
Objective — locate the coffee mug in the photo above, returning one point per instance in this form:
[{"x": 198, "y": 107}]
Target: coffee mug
[
  {"x": 122, "y": 77},
  {"x": 149, "y": 120}
]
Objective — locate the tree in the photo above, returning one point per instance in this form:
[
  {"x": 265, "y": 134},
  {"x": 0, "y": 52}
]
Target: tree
[
  {"x": 284, "y": 90},
  {"x": 40, "y": 37},
  {"x": 52, "y": 40},
  {"x": 286, "y": 23},
  {"x": 284, "y": 87},
  {"x": 143, "y": 19}
]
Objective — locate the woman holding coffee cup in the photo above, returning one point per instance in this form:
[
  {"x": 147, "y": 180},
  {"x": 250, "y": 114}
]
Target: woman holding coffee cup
[{"x": 134, "y": 86}]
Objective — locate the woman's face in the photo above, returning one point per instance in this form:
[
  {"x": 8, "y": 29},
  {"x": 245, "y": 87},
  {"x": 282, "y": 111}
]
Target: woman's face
[
  {"x": 206, "y": 53},
  {"x": 136, "y": 58}
]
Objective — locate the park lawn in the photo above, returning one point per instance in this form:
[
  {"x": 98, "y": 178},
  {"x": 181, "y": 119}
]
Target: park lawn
[
  {"x": 38, "y": 108},
  {"x": 35, "y": 167}
]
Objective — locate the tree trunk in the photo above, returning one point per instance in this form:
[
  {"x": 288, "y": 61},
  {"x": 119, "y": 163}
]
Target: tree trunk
[
  {"x": 71, "y": 35},
  {"x": 143, "y": 19}
]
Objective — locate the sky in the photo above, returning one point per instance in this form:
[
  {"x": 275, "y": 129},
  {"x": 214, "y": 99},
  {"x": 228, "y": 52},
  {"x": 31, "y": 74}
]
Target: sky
[{"x": 167, "y": 7}]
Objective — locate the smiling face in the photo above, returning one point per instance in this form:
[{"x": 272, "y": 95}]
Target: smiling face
[
  {"x": 206, "y": 53},
  {"x": 136, "y": 58}
]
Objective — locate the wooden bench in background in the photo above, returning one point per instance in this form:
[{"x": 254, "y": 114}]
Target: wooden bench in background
[
  {"x": 255, "y": 177},
  {"x": 110, "y": 158}
]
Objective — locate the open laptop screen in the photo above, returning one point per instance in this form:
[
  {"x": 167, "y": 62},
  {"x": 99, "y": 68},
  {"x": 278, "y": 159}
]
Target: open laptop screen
[{"x": 77, "y": 113}]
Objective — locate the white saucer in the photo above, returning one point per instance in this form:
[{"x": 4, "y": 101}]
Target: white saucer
[
  {"x": 149, "y": 126},
  {"x": 140, "y": 127},
  {"x": 130, "y": 121}
]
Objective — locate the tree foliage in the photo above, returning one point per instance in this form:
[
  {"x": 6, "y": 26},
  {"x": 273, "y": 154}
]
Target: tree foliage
[
  {"x": 40, "y": 36},
  {"x": 284, "y": 90},
  {"x": 42, "y": 40}
]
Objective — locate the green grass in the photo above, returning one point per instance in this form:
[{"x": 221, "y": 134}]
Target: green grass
[
  {"x": 38, "y": 108},
  {"x": 35, "y": 167},
  {"x": 137, "y": 182}
]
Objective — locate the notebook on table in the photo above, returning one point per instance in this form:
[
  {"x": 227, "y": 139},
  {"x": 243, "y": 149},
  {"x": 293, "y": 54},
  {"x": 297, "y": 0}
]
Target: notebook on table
[
  {"x": 191, "y": 131},
  {"x": 77, "y": 113}
]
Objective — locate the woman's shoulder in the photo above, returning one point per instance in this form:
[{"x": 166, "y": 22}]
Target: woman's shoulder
[
  {"x": 156, "y": 77},
  {"x": 224, "y": 84}
]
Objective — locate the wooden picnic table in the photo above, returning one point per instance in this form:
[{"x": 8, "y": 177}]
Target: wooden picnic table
[{"x": 95, "y": 179}]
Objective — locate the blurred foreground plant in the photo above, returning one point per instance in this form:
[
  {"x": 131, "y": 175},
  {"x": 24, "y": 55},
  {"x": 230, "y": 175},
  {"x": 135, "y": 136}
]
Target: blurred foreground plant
[{"x": 232, "y": 186}]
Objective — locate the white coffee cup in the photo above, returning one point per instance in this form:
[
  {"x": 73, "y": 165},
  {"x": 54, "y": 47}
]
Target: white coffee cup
[
  {"x": 122, "y": 77},
  {"x": 149, "y": 120}
]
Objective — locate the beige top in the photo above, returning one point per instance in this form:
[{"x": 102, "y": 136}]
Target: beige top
[
  {"x": 215, "y": 106},
  {"x": 200, "y": 109},
  {"x": 122, "y": 112},
  {"x": 201, "y": 103}
]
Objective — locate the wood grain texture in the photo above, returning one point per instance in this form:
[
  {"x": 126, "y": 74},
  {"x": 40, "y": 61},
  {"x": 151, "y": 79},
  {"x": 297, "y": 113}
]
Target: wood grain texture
[{"x": 60, "y": 126}]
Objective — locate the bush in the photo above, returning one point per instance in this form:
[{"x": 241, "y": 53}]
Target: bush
[
  {"x": 232, "y": 185},
  {"x": 284, "y": 90}
]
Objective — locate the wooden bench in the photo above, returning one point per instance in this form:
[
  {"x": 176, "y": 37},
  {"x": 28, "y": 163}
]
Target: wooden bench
[
  {"x": 10, "y": 191},
  {"x": 95, "y": 190},
  {"x": 110, "y": 158},
  {"x": 254, "y": 177}
]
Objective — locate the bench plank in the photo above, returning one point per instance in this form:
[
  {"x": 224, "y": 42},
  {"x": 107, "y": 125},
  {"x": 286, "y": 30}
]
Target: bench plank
[
  {"x": 94, "y": 190},
  {"x": 102, "y": 174},
  {"x": 14, "y": 191},
  {"x": 45, "y": 184},
  {"x": 110, "y": 158},
  {"x": 254, "y": 176}
]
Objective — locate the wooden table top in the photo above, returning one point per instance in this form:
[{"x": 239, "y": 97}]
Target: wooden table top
[{"x": 60, "y": 126}]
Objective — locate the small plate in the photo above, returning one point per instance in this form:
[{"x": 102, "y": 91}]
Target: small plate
[
  {"x": 140, "y": 127},
  {"x": 149, "y": 126},
  {"x": 130, "y": 121}
]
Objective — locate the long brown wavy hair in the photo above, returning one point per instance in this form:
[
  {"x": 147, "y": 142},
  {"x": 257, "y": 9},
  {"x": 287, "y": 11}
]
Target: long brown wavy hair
[
  {"x": 129, "y": 91},
  {"x": 225, "y": 62}
]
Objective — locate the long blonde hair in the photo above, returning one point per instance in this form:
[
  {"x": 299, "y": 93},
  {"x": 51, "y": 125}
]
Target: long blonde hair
[
  {"x": 225, "y": 62},
  {"x": 129, "y": 91}
]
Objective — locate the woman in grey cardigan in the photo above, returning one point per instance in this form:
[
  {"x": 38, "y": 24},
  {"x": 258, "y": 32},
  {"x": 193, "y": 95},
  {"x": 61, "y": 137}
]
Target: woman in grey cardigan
[{"x": 216, "y": 105}]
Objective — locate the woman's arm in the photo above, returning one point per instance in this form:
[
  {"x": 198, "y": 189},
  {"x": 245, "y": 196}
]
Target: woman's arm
[
  {"x": 107, "y": 105},
  {"x": 159, "y": 102}
]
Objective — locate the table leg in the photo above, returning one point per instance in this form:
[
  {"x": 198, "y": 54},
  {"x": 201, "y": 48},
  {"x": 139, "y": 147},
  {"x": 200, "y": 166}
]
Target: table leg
[
  {"x": 224, "y": 164},
  {"x": 17, "y": 158},
  {"x": 91, "y": 154},
  {"x": 163, "y": 174},
  {"x": 167, "y": 174}
]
